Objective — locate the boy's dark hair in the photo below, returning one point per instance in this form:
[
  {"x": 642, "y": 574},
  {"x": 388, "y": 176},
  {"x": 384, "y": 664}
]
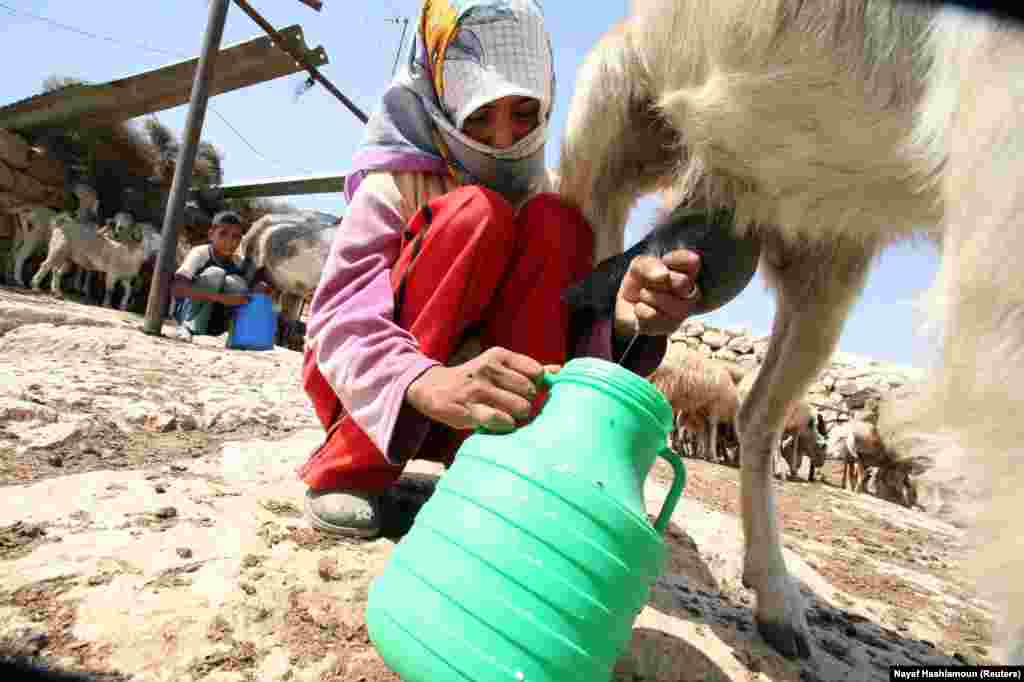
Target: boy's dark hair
[{"x": 226, "y": 218}]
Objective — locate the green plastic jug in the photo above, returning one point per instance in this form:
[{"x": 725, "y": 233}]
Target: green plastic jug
[{"x": 534, "y": 555}]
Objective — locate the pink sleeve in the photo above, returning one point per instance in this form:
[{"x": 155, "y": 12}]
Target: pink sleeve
[{"x": 367, "y": 359}]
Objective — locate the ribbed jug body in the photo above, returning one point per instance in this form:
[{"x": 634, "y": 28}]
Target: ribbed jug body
[{"x": 534, "y": 555}]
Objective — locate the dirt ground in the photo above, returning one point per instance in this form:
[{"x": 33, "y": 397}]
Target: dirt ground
[
  {"x": 870, "y": 550},
  {"x": 165, "y": 524},
  {"x": 836, "y": 533}
]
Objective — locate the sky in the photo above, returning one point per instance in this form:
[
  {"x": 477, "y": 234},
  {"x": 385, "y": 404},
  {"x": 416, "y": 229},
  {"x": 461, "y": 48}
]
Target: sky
[{"x": 264, "y": 131}]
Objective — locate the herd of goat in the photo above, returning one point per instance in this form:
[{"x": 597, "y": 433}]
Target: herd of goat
[
  {"x": 290, "y": 248},
  {"x": 706, "y": 395}
]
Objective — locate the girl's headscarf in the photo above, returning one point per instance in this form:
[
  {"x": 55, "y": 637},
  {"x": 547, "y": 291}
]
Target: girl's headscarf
[{"x": 467, "y": 53}]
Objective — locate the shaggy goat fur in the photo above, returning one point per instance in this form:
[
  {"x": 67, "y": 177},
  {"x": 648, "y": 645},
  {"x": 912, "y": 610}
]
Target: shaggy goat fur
[
  {"x": 832, "y": 129},
  {"x": 291, "y": 248}
]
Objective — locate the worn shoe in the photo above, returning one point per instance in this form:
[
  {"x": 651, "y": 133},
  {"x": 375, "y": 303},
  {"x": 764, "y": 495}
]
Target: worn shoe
[
  {"x": 349, "y": 513},
  {"x": 183, "y": 334}
]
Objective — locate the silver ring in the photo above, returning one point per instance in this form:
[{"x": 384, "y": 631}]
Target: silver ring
[{"x": 693, "y": 293}]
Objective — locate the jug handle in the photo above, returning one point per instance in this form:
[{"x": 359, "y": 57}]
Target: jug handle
[
  {"x": 666, "y": 453},
  {"x": 678, "y": 483}
]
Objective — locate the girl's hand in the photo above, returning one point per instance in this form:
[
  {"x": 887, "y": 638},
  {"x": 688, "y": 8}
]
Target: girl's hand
[
  {"x": 658, "y": 292},
  {"x": 494, "y": 390}
]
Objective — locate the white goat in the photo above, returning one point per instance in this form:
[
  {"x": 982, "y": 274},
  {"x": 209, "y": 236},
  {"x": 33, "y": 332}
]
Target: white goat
[
  {"x": 74, "y": 243},
  {"x": 33, "y": 229},
  {"x": 830, "y": 130}
]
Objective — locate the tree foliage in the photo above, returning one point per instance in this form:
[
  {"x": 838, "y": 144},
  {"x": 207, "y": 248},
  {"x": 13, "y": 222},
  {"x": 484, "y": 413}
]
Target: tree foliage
[{"x": 132, "y": 166}]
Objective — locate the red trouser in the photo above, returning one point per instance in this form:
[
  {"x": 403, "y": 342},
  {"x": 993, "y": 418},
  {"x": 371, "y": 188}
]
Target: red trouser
[{"x": 467, "y": 261}]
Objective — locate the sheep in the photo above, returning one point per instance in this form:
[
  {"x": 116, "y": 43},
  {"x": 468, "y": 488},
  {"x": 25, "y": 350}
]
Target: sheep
[
  {"x": 893, "y": 483},
  {"x": 863, "y": 448},
  {"x": 858, "y": 445},
  {"x": 816, "y": 446},
  {"x": 701, "y": 392},
  {"x": 74, "y": 243},
  {"x": 804, "y": 438},
  {"x": 800, "y": 430},
  {"x": 43, "y": 220},
  {"x": 829, "y": 131}
]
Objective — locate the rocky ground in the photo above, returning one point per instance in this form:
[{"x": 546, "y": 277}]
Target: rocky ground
[{"x": 150, "y": 529}]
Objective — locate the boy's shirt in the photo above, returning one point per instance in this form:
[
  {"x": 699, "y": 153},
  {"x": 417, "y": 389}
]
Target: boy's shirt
[{"x": 203, "y": 256}]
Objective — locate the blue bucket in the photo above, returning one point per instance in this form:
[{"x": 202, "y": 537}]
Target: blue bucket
[{"x": 254, "y": 325}]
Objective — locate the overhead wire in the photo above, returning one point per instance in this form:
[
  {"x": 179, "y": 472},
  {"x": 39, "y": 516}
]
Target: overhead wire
[
  {"x": 74, "y": 29},
  {"x": 401, "y": 41},
  {"x": 149, "y": 48}
]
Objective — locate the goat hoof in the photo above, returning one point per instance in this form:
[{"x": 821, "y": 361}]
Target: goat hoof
[{"x": 788, "y": 640}]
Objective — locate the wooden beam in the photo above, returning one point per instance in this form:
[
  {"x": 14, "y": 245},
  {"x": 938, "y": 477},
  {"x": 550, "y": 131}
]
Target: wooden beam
[{"x": 279, "y": 187}]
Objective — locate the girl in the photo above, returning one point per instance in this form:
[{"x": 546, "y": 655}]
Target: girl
[{"x": 439, "y": 308}]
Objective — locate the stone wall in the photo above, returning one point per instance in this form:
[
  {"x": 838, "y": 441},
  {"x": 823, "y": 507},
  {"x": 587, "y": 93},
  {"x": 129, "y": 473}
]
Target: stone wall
[
  {"x": 28, "y": 175},
  {"x": 850, "y": 386}
]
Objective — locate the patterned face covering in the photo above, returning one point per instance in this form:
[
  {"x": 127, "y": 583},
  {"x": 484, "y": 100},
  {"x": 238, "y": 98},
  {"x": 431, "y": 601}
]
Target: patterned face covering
[
  {"x": 469, "y": 53},
  {"x": 494, "y": 53},
  {"x": 479, "y": 52}
]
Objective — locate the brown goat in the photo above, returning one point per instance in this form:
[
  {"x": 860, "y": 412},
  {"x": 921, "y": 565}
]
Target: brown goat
[{"x": 700, "y": 391}]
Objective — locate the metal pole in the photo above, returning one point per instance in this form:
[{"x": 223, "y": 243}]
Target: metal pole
[
  {"x": 159, "y": 292},
  {"x": 312, "y": 70}
]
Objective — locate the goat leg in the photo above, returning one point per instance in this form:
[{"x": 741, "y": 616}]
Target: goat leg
[
  {"x": 58, "y": 278},
  {"x": 22, "y": 253},
  {"x": 713, "y": 437},
  {"x": 815, "y": 288}
]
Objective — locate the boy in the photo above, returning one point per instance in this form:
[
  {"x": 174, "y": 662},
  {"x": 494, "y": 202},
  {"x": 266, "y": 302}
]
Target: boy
[{"x": 212, "y": 279}]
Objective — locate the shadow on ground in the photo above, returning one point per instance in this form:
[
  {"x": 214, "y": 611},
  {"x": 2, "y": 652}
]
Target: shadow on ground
[
  {"x": 688, "y": 599},
  {"x": 844, "y": 645}
]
